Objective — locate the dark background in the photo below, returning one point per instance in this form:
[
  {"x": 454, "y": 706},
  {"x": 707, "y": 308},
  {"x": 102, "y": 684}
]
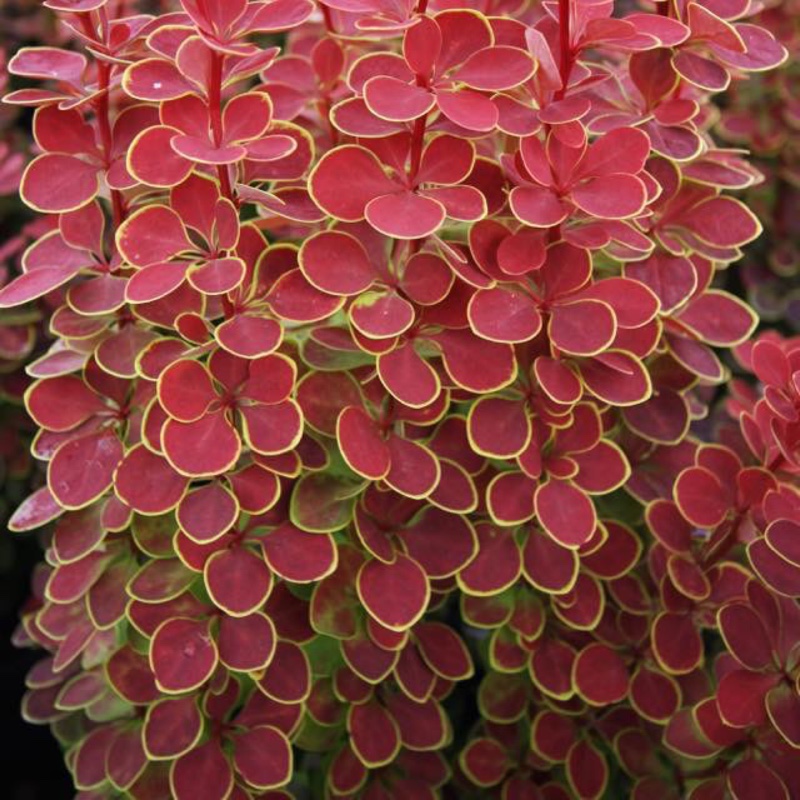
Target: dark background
[{"x": 31, "y": 764}]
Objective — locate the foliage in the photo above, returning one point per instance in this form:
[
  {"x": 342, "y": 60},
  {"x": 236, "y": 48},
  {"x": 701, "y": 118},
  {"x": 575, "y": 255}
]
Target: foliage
[{"x": 383, "y": 450}]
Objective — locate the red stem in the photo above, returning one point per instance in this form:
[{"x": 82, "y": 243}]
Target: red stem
[
  {"x": 328, "y": 18},
  {"x": 422, "y": 6},
  {"x": 565, "y": 45},
  {"x": 103, "y": 122},
  {"x": 664, "y": 8},
  {"x": 215, "y": 110},
  {"x": 102, "y": 109},
  {"x": 417, "y": 140}
]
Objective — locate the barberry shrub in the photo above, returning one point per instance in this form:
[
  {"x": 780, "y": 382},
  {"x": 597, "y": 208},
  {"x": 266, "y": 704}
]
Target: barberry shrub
[{"x": 387, "y": 444}]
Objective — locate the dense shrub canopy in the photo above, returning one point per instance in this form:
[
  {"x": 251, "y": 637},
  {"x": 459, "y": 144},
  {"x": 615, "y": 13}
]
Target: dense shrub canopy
[{"x": 391, "y": 443}]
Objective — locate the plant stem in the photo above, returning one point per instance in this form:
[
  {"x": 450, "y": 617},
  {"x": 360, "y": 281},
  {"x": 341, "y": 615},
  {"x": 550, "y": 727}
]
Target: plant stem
[
  {"x": 565, "y": 45},
  {"x": 102, "y": 108},
  {"x": 417, "y": 140},
  {"x": 215, "y": 111},
  {"x": 327, "y": 18}
]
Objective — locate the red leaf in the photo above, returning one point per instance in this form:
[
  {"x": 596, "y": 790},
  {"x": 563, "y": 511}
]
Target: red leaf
[
  {"x": 396, "y": 100},
  {"x": 587, "y": 771},
  {"x": 153, "y": 162},
  {"x": 155, "y": 79},
  {"x": 495, "y": 69},
  {"x": 395, "y": 594},
  {"x": 147, "y": 483},
  {"x": 611, "y": 196},
  {"x": 249, "y": 336},
  {"x": 750, "y": 778},
  {"x": 476, "y": 365},
  {"x": 381, "y": 314},
  {"x": 700, "y": 497},
  {"x": 287, "y": 679},
  {"x": 207, "y": 513},
  {"x": 185, "y": 390},
  {"x": 537, "y": 207},
  {"x": 565, "y": 512},
  {"x": 498, "y": 428},
  {"x": 599, "y": 675},
  {"x": 363, "y": 172},
  {"x": 182, "y": 654},
  {"x": 151, "y": 235},
  {"x": 783, "y": 708},
  {"x": 504, "y": 315},
  {"x": 263, "y": 757},
  {"x": 582, "y": 327},
  {"x": 206, "y": 447},
  {"x": 741, "y": 697},
  {"x": 299, "y": 557},
  {"x": 173, "y": 726},
  {"x": 364, "y": 449},
  {"x": 82, "y": 469},
  {"x": 373, "y": 734},
  {"x": 336, "y": 262},
  {"x": 484, "y": 761},
  {"x": 62, "y": 403},
  {"x": 55, "y": 183},
  {"x": 677, "y": 645},
  {"x": 202, "y": 772},
  {"x": 496, "y": 566},
  {"x": 404, "y": 214},
  {"x": 719, "y": 318},
  {"x": 246, "y": 644},
  {"x": 408, "y": 377},
  {"x": 470, "y": 110},
  {"x": 723, "y": 222},
  {"x": 414, "y": 470},
  {"x": 238, "y": 580},
  {"x": 34, "y": 284}
]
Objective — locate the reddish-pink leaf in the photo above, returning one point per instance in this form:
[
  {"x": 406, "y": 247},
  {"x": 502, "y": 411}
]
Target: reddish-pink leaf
[
  {"x": 582, "y": 327},
  {"x": 202, "y": 772},
  {"x": 364, "y": 449},
  {"x": 504, "y": 315},
  {"x": 238, "y": 580},
  {"x": 82, "y": 469},
  {"x": 147, "y": 483},
  {"x": 396, "y": 100},
  {"x": 172, "y": 727},
  {"x": 395, "y": 594},
  {"x": 495, "y": 69},
  {"x": 263, "y": 757},
  {"x": 405, "y": 214},
  {"x": 408, "y": 376},
  {"x": 700, "y": 497},
  {"x": 152, "y": 235},
  {"x": 54, "y": 183},
  {"x": 565, "y": 512},
  {"x": 182, "y": 655},
  {"x": 469, "y": 109},
  {"x": 336, "y": 262},
  {"x": 298, "y": 556},
  {"x": 207, "y": 513},
  {"x": 185, "y": 390},
  {"x": 373, "y": 734},
  {"x": 498, "y": 428},
  {"x": 247, "y": 643},
  {"x": 363, "y": 172},
  {"x": 599, "y": 675},
  {"x": 587, "y": 771},
  {"x": 206, "y": 447}
]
